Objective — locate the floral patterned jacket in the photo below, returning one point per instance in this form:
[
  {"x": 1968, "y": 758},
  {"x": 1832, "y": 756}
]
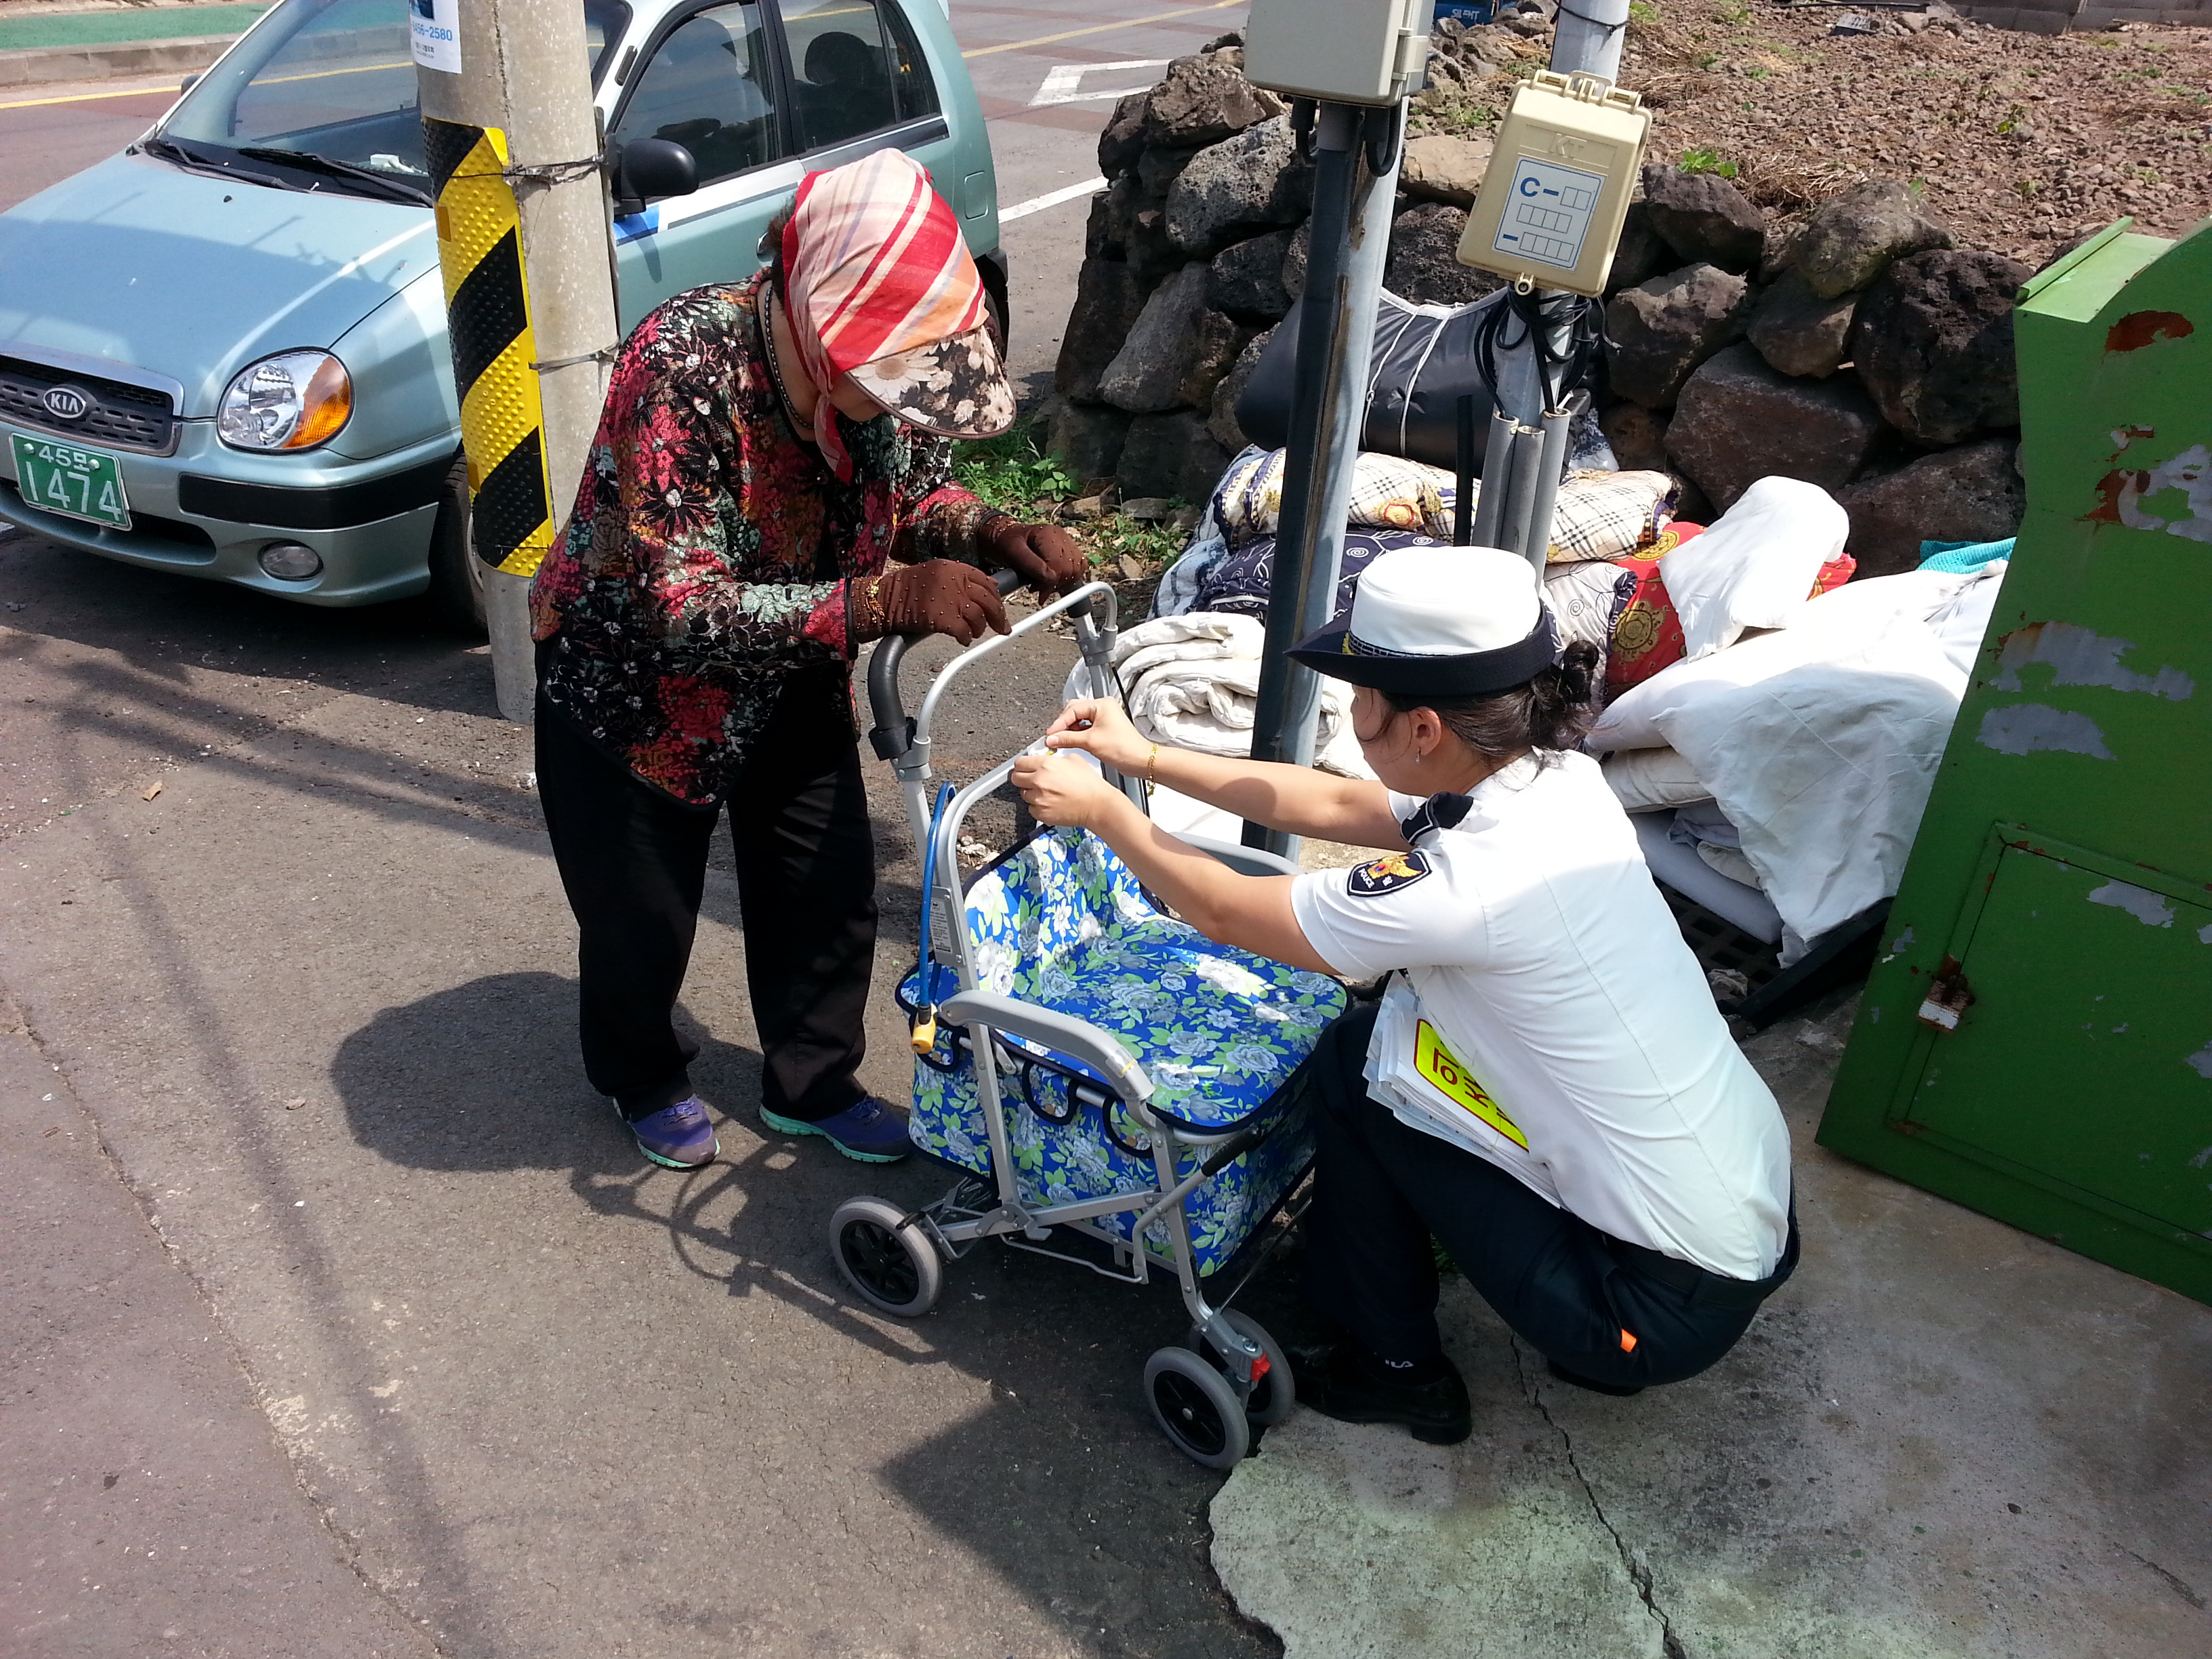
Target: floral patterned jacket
[{"x": 711, "y": 548}]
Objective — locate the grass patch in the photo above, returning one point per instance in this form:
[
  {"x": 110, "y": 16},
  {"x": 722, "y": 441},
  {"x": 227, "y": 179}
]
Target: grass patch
[{"x": 1010, "y": 471}]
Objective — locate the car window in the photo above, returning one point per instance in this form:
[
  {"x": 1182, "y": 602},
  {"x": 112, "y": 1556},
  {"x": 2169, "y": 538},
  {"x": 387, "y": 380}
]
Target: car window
[
  {"x": 334, "y": 77},
  {"x": 856, "y": 69},
  {"x": 705, "y": 87}
]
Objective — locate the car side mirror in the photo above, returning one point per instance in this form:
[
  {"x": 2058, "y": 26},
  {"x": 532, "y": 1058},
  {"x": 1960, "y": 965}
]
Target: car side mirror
[{"x": 650, "y": 168}]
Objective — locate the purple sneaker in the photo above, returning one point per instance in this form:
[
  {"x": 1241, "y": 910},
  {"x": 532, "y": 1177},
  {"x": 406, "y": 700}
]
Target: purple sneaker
[
  {"x": 863, "y": 1130},
  {"x": 677, "y": 1137}
]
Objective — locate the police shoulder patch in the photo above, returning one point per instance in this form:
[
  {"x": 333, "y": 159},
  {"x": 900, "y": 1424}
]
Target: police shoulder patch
[{"x": 1387, "y": 874}]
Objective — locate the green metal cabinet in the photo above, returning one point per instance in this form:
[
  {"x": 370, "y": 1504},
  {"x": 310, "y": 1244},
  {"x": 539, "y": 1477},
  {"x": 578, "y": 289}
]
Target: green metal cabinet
[{"x": 2036, "y": 1037}]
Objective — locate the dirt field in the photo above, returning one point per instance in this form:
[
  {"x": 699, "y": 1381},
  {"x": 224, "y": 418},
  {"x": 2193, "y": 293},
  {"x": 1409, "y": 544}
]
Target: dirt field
[{"x": 2024, "y": 142}]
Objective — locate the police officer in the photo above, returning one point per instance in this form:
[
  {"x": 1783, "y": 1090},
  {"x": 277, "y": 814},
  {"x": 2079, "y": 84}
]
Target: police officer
[{"x": 1614, "y": 1177}]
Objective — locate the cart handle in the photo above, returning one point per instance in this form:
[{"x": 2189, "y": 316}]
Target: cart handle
[
  {"x": 1079, "y": 1038},
  {"x": 895, "y": 730}
]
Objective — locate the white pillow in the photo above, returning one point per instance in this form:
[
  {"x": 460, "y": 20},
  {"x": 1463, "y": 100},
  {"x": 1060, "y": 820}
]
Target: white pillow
[
  {"x": 1843, "y": 619},
  {"x": 1755, "y": 566},
  {"x": 1646, "y": 780}
]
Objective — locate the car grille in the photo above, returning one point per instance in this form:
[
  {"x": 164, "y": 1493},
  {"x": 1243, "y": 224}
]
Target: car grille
[{"x": 128, "y": 417}]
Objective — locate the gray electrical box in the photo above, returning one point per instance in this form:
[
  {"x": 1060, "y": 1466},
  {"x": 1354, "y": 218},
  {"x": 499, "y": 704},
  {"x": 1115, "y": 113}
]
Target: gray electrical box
[{"x": 1347, "y": 51}]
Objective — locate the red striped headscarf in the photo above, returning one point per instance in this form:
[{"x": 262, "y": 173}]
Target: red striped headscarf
[{"x": 881, "y": 287}]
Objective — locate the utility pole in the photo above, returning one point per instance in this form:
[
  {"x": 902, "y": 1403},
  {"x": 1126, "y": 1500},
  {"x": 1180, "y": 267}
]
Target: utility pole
[{"x": 513, "y": 144}]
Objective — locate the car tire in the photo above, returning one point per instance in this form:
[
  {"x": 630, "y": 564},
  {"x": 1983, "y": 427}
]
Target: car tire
[{"x": 457, "y": 588}]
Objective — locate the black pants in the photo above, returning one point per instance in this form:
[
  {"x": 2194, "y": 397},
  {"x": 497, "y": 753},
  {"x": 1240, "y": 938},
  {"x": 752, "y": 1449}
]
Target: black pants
[
  {"x": 1565, "y": 1288},
  {"x": 633, "y": 862}
]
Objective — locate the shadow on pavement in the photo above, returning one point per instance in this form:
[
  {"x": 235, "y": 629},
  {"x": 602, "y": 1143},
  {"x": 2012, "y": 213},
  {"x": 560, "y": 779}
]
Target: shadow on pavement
[
  {"x": 1063, "y": 1484},
  {"x": 164, "y": 623}
]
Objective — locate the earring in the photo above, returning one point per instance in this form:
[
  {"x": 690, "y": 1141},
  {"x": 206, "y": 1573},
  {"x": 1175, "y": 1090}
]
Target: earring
[{"x": 1417, "y": 760}]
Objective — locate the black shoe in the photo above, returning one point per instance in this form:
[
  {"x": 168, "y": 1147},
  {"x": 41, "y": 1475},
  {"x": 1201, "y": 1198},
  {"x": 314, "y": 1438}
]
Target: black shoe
[{"x": 1336, "y": 1380}]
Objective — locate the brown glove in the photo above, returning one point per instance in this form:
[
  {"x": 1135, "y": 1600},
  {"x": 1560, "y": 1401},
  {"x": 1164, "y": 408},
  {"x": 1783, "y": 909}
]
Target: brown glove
[
  {"x": 1048, "y": 558},
  {"x": 941, "y": 596}
]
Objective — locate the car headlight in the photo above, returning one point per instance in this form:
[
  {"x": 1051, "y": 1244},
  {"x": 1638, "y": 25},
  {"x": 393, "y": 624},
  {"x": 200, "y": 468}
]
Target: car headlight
[{"x": 294, "y": 400}]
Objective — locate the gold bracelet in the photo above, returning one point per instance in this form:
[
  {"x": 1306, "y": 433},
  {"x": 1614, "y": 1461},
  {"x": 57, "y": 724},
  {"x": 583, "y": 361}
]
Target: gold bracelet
[{"x": 1152, "y": 766}]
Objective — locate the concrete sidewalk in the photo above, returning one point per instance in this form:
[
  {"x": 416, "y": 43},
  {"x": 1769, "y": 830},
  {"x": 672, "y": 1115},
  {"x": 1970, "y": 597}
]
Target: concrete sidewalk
[
  {"x": 43, "y": 45},
  {"x": 1944, "y": 1438}
]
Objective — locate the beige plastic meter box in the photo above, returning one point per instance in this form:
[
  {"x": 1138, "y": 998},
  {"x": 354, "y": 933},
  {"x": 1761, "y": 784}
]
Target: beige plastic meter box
[{"x": 1567, "y": 157}]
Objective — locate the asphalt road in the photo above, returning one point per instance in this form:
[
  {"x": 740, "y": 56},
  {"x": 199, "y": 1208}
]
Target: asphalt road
[
  {"x": 469, "y": 1375},
  {"x": 1042, "y": 147}
]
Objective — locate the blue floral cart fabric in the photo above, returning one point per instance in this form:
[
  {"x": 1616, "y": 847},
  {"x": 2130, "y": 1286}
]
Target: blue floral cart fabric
[{"x": 1063, "y": 924}]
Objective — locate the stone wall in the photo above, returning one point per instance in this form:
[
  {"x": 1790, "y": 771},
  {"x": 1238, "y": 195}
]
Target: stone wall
[
  {"x": 2057, "y": 16},
  {"x": 1859, "y": 349}
]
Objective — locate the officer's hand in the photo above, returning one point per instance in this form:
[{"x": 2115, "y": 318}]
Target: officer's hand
[
  {"x": 1098, "y": 726},
  {"x": 1048, "y": 558},
  {"x": 939, "y": 596},
  {"x": 1065, "y": 794}
]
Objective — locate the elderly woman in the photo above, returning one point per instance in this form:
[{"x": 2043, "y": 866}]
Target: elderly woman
[
  {"x": 769, "y": 488},
  {"x": 1600, "y": 1161}
]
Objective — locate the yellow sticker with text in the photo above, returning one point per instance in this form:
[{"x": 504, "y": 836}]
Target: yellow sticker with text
[{"x": 1441, "y": 1067}]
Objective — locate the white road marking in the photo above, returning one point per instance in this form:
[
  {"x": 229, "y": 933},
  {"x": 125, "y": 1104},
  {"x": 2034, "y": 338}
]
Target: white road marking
[
  {"x": 1051, "y": 198},
  {"x": 1063, "y": 83}
]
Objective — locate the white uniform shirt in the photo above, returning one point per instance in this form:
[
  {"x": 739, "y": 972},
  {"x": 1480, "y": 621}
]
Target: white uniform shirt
[{"x": 1543, "y": 955}]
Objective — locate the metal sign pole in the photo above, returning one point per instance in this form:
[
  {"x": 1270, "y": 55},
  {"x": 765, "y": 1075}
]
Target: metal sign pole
[{"x": 1349, "y": 242}]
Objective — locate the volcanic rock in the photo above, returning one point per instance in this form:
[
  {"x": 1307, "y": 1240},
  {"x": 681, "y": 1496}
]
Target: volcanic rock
[
  {"x": 1423, "y": 265},
  {"x": 1933, "y": 341},
  {"x": 1739, "y": 421},
  {"x": 1145, "y": 376},
  {"x": 1702, "y": 216},
  {"x": 1798, "y": 331},
  {"x": 1662, "y": 329},
  {"x": 1253, "y": 181},
  {"x": 1852, "y": 238},
  {"x": 1971, "y": 493}
]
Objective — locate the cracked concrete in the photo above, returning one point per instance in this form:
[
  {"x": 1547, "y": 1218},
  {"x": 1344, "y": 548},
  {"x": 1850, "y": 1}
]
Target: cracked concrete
[
  {"x": 1944, "y": 1440},
  {"x": 1529, "y": 1363}
]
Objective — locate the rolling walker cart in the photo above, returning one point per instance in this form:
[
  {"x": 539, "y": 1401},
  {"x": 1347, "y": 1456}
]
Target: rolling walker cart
[{"x": 1087, "y": 1062}]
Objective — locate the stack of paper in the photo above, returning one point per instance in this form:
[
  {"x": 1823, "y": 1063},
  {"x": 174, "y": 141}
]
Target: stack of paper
[{"x": 1411, "y": 1071}]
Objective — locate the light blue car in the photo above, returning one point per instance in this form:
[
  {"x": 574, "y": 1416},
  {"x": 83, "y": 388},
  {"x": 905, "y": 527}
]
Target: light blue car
[{"x": 223, "y": 352}]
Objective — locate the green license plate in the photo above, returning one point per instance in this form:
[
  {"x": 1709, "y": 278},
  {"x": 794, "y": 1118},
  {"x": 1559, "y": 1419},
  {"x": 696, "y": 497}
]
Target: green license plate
[{"x": 60, "y": 477}]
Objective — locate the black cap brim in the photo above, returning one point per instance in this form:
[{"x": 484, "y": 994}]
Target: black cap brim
[{"x": 1331, "y": 651}]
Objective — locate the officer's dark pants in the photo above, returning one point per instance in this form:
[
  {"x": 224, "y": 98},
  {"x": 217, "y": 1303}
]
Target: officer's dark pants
[
  {"x": 1566, "y": 1288},
  {"x": 633, "y": 862}
]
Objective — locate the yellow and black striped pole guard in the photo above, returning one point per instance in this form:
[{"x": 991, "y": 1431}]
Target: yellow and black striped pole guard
[{"x": 488, "y": 322}]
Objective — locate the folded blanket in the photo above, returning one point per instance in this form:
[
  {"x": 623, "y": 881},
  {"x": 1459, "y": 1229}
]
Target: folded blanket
[
  {"x": 1599, "y": 515},
  {"x": 1238, "y": 582},
  {"x": 1192, "y": 682}
]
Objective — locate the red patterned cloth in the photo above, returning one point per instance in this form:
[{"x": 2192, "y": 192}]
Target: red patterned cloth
[
  {"x": 711, "y": 548},
  {"x": 1649, "y": 635},
  {"x": 881, "y": 287}
]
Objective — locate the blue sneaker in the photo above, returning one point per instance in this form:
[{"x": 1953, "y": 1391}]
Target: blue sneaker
[
  {"x": 677, "y": 1137},
  {"x": 863, "y": 1131}
]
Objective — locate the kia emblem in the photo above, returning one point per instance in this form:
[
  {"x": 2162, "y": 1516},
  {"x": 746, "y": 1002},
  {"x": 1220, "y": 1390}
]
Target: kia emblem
[{"x": 65, "y": 402}]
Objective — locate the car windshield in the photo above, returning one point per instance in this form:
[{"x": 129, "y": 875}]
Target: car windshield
[{"x": 332, "y": 82}]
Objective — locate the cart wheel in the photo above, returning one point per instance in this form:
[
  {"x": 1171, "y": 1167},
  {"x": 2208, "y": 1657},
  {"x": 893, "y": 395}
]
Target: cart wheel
[
  {"x": 892, "y": 1263},
  {"x": 1274, "y": 1395},
  {"x": 1197, "y": 1408}
]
